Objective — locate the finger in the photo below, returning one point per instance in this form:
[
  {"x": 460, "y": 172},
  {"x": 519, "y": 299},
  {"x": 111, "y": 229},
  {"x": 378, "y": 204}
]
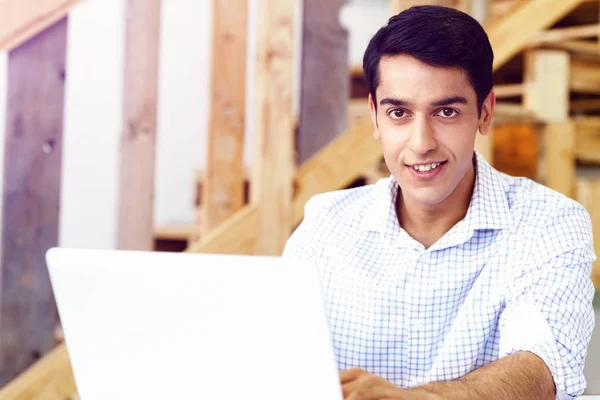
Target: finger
[{"x": 351, "y": 375}]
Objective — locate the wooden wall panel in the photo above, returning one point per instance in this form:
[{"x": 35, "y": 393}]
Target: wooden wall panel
[
  {"x": 325, "y": 87},
  {"x": 32, "y": 175}
]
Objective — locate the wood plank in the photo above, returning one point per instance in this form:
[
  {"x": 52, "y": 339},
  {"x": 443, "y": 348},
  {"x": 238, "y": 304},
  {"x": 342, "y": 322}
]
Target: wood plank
[
  {"x": 512, "y": 90},
  {"x": 588, "y": 194},
  {"x": 587, "y": 141},
  {"x": 516, "y": 149},
  {"x": 21, "y": 20},
  {"x": 273, "y": 173},
  {"x": 571, "y": 32},
  {"x": 585, "y": 105},
  {"x": 547, "y": 78},
  {"x": 176, "y": 232},
  {"x": 358, "y": 111},
  {"x": 223, "y": 183},
  {"x": 140, "y": 89},
  {"x": 505, "y": 112},
  {"x": 577, "y": 47},
  {"x": 336, "y": 166},
  {"x": 559, "y": 158},
  {"x": 325, "y": 86},
  {"x": 512, "y": 32},
  {"x": 31, "y": 198},
  {"x": 236, "y": 235},
  {"x": 51, "y": 378},
  {"x": 585, "y": 76}
]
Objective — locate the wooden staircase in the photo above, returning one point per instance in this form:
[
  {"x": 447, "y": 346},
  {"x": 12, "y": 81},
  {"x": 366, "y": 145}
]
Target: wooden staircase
[{"x": 334, "y": 167}]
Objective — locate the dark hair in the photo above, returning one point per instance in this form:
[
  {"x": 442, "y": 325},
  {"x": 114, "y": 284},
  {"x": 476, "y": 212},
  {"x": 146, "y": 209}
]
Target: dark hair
[{"x": 438, "y": 36}]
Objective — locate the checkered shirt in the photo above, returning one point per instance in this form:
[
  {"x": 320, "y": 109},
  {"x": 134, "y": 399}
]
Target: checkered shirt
[{"x": 513, "y": 275}]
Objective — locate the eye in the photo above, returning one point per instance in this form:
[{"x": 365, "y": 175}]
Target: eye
[
  {"x": 397, "y": 113},
  {"x": 448, "y": 113}
]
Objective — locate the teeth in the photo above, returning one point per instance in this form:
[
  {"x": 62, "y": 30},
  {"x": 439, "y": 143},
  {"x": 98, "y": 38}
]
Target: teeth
[{"x": 426, "y": 167}]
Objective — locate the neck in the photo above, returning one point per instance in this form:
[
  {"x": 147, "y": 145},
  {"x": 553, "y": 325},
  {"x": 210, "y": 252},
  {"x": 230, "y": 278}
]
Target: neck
[{"x": 427, "y": 224}]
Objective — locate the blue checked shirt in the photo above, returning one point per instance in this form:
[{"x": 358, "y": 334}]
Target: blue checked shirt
[{"x": 513, "y": 275}]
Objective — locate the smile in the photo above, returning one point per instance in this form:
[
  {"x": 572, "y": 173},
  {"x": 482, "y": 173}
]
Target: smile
[{"x": 427, "y": 171}]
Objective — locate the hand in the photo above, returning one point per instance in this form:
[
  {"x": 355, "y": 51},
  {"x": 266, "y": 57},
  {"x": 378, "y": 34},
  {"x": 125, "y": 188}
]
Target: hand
[{"x": 358, "y": 384}]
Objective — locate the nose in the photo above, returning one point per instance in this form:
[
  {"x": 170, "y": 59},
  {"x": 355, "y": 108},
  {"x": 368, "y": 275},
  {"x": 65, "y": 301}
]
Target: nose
[{"x": 422, "y": 139}]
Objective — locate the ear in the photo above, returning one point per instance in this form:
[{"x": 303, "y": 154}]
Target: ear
[
  {"x": 373, "y": 113},
  {"x": 487, "y": 111}
]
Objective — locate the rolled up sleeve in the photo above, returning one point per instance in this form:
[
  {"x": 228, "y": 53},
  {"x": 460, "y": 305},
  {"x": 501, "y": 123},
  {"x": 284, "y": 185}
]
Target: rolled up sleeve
[{"x": 549, "y": 307}]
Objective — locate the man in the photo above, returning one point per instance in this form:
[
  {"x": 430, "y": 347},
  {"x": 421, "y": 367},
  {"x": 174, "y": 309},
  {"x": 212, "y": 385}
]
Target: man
[{"x": 449, "y": 280}]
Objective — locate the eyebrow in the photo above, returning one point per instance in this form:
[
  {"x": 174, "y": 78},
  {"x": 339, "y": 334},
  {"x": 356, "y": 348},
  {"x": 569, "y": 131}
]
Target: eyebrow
[{"x": 443, "y": 102}]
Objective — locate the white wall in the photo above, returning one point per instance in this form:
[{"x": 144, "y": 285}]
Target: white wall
[
  {"x": 93, "y": 98},
  {"x": 94, "y": 101},
  {"x": 362, "y": 18}
]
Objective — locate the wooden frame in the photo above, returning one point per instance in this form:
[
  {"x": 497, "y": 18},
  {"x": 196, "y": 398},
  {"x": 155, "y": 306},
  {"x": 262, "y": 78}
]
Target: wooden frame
[{"x": 31, "y": 198}]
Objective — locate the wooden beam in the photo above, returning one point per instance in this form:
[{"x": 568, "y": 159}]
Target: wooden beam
[
  {"x": 176, "y": 232},
  {"x": 571, "y": 32},
  {"x": 587, "y": 140},
  {"x": 511, "y": 90},
  {"x": 578, "y": 47},
  {"x": 585, "y": 76},
  {"x": 336, "y": 165},
  {"x": 51, "y": 378},
  {"x": 588, "y": 193},
  {"x": 559, "y": 157},
  {"x": 516, "y": 149},
  {"x": 325, "y": 86},
  {"x": 140, "y": 89},
  {"x": 273, "y": 173},
  {"x": 223, "y": 184},
  {"x": 31, "y": 198},
  {"x": 236, "y": 235},
  {"x": 20, "y": 20},
  {"x": 512, "y": 32},
  {"x": 547, "y": 78},
  {"x": 358, "y": 111},
  {"x": 512, "y": 112},
  {"x": 585, "y": 105}
]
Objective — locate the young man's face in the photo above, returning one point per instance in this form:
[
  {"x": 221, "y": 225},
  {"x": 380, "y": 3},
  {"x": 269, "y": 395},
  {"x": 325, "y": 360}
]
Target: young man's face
[{"x": 426, "y": 121}]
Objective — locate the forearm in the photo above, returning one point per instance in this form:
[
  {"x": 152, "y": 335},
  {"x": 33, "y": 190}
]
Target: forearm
[{"x": 521, "y": 376}]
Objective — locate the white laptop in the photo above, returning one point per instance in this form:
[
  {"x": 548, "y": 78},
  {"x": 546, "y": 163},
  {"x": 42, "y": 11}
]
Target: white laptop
[{"x": 146, "y": 325}]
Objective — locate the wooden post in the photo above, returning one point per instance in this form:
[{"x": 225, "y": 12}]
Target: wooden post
[
  {"x": 559, "y": 157},
  {"x": 223, "y": 184},
  {"x": 588, "y": 194},
  {"x": 140, "y": 87},
  {"x": 273, "y": 171},
  {"x": 546, "y": 79},
  {"x": 32, "y": 172},
  {"x": 547, "y": 97},
  {"x": 325, "y": 83}
]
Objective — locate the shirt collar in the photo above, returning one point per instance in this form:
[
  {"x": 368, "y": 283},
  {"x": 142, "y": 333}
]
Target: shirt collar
[{"x": 489, "y": 208}]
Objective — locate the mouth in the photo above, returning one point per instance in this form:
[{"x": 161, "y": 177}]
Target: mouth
[{"x": 427, "y": 171}]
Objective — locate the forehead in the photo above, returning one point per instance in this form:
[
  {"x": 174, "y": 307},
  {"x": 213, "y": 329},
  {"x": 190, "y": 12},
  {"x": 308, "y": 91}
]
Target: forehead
[{"x": 408, "y": 78}]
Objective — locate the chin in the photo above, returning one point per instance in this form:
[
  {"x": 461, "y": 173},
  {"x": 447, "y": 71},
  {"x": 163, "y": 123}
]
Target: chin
[{"x": 428, "y": 197}]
